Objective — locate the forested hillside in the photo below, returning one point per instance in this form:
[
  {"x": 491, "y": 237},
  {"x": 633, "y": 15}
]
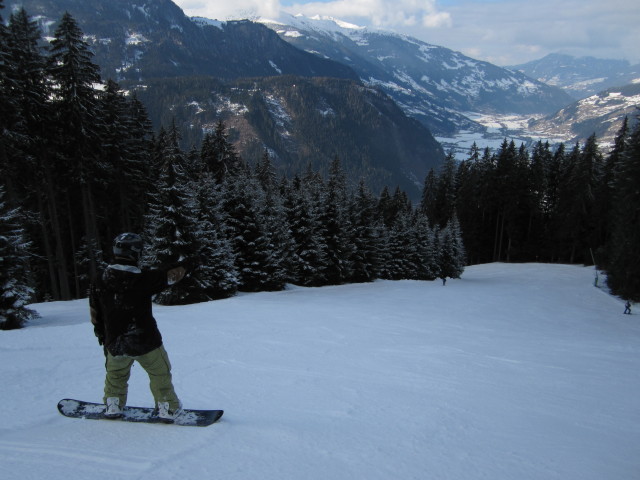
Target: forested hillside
[
  {"x": 82, "y": 164},
  {"x": 571, "y": 204},
  {"x": 301, "y": 122}
]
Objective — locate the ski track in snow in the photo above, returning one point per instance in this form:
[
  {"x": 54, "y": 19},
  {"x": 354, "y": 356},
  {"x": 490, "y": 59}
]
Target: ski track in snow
[{"x": 513, "y": 372}]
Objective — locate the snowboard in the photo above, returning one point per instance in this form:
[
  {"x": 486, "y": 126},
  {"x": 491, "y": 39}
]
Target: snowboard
[{"x": 95, "y": 411}]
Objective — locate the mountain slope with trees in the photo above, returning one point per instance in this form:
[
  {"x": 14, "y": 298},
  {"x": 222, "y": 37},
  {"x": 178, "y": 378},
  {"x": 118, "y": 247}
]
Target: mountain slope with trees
[
  {"x": 194, "y": 73},
  {"x": 82, "y": 162},
  {"x": 303, "y": 121}
]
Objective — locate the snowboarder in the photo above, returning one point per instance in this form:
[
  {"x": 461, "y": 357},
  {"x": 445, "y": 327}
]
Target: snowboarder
[
  {"x": 121, "y": 313},
  {"x": 627, "y": 308}
]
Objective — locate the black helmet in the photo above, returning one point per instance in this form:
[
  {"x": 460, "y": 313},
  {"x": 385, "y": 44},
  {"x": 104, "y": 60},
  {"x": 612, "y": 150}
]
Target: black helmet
[{"x": 128, "y": 246}]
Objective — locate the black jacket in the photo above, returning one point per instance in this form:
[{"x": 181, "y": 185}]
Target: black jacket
[{"x": 120, "y": 302}]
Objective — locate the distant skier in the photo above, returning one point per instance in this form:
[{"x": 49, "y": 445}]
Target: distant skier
[
  {"x": 121, "y": 312},
  {"x": 627, "y": 308}
]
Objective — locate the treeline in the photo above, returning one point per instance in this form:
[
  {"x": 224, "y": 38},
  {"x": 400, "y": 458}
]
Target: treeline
[
  {"x": 79, "y": 164},
  {"x": 548, "y": 205}
]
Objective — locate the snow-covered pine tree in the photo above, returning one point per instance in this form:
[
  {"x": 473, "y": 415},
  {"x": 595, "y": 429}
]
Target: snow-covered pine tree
[
  {"x": 276, "y": 226},
  {"x": 426, "y": 259},
  {"x": 219, "y": 154},
  {"x": 338, "y": 226},
  {"x": 257, "y": 260},
  {"x": 171, "y": 223},
  {"x": 428, "y": 201},
  {"x": 365, "y": 236},
  {"x": 307, "y": 259},
  {"x": 451, "y": 253},
  {"x": 216, "y": 276},
  {"x": 15, "y": 291},
  {"x": 402, "y": 248}
]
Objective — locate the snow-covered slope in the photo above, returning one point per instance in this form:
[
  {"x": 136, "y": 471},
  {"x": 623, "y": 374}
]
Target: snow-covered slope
[
  {"x": 512, "y": 372},
  {"x": 601, "y": 114}
]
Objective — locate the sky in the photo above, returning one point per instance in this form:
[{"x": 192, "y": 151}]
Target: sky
[{"x": 503, "y": 32}]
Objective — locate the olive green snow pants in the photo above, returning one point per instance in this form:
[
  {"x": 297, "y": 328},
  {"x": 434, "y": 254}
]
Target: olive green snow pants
[{"x": 156, "y": 364}]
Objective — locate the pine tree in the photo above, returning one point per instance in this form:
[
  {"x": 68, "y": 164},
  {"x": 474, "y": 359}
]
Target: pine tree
[
  {"x": 552, "y": 210},
  {"x": 123, "y": 155},
  {"x": 259, "y": 262},
  {"x": 451, "y": 253},
  {"x": 582, "y": 182},
  {"x": 265, "y": 173},
  {"x": 365, "y": 236},
  {"x": 216, "y": 275},
  {"x": 219, "y": 154},
  {"x": 402, "y": 248},
  {"x": 338, "y": 226},
  {"x": 606, "y": 192},
  {"x": 446, "y": 190},
  {"x": 31, "y": 177},
  {"x": 624, "y": 265},
  {"x": 7, "y": 104},
  {"x": 307, "y": 261},
  {"x": 171, "y": 223},
  {"x": 15, "y": 289},
  {"x": 428, "y": 204},
  {"x": 77, "y": 124},
  {"x": 27, "y": 89},
  {"x": 426, "y": 259}
]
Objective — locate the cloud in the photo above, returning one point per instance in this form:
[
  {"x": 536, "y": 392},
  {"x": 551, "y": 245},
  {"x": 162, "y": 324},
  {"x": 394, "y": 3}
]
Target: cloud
[
  {"x": 513, "y": 31},
  {"x": 504, "y": 32},
  {"x": 230, "y": 10},
  {"x": 379, "y": 13}
]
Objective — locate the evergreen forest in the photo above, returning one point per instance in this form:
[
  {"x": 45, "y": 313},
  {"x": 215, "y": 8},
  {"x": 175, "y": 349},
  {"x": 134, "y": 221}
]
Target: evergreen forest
[{"x": 80, "y": 163}]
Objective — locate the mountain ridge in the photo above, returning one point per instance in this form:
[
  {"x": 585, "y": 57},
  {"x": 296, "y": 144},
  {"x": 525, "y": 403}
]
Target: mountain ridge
[
  {"x": 431, "y": 83},
  {"x": 581, "y": 77},
  {"x": 157, "y": 39},
  {"x": 154, "y": 50}
]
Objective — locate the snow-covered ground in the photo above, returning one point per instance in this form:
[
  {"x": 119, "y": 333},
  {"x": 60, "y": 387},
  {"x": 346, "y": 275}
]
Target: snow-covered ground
[
  {"x": 498, "y": 127},
  {"x": 513, "y": 372}
]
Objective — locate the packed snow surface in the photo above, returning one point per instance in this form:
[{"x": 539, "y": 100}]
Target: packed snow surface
[{"x": 513, "y": 372}]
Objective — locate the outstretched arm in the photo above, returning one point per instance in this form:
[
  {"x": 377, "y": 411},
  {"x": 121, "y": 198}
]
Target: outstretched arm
[{"x": 96, "y": 314}]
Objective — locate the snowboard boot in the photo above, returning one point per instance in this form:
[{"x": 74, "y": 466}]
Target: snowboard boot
[
  {"x": 113, "y": 409},
  {"x": 165, "y": 414}
]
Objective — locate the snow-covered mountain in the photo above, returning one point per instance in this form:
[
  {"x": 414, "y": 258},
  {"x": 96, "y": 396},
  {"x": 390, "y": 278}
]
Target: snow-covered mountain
[
  {"x": 135, "y": 41},
  {"x": 581, "y": 77},
  {"x": 302, "y": 108},
  {"x": 601, "y": 114},
  {"x": 431, "y": 83}
]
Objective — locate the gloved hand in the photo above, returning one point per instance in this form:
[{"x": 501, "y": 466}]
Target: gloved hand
[
  {"x": 175, "y": 275},
  {"x": 98, "y": 333}
]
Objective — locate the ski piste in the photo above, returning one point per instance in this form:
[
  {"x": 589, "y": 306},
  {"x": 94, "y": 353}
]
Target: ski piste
[{"x": 95, "y": 411}]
